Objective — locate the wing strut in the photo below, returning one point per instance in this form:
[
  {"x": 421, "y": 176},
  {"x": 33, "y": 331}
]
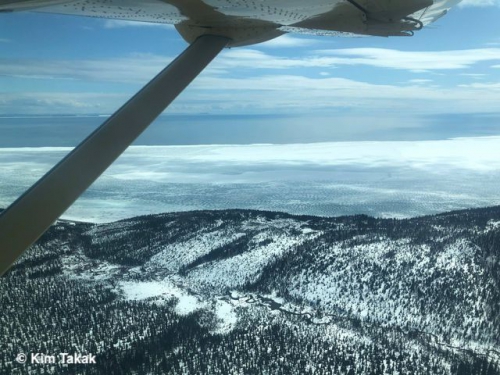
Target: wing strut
[{"x": 25, "y": 220}]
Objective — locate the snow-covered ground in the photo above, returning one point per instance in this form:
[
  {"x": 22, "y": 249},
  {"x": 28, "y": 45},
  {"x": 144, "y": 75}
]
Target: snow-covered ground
[
  {"x": 161, "y": 290},
  {"x": 179, "y": 254},
  {"x": 385, "y": 179}
]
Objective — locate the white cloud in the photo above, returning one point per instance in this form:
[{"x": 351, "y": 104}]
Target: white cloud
[
  {"x": 473, "y": 75},
  {"x": 420, "y": 81},
  {"x": 255, "y": 89},
  {"x": 134, "y": 68},
  {"x": 279, "y": 93},
  {"x": 5, "y": 40},
  {"x": 287, "y": 93},
  {"x": 495, "y": 86},
  {"x": 415, "y": 61},
  {"x": 254, "y": 59},
  {"x": 59, "y": 102},
  {"x": 142, "y": 67},
  {"x": 411, "y": 60},
  {"x": 288, "y": 41},
  {"x": 479, "y": 3},
  {"x": 115, "y": 24}
]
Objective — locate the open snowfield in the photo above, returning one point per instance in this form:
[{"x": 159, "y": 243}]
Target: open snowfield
[{"x": 384, "y": 179}]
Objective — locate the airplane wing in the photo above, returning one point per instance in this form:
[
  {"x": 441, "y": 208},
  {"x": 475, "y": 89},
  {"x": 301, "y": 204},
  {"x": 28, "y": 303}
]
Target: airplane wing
[
  {"x": 269, "y": 17},
  {"x": 209, "y": 26}
]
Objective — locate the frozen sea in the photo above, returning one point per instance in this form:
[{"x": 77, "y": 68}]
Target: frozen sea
[{"x": 382, "y": 179}]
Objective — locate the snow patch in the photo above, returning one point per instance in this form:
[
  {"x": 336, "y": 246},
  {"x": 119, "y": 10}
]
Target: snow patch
[
  {"x": 187, "y": 304},
  {"x": 226, "y": 316},
  {"x": 137, "y": 291},
  {"x": 492, "y": 224},
  {"x": 161, "y": 289}
]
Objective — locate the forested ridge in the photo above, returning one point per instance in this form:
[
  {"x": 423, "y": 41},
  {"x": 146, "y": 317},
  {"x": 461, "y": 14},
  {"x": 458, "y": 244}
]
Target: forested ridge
[{"x": 253, "y": 292}]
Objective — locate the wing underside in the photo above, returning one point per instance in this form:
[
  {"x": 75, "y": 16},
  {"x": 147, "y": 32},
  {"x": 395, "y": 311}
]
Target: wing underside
[{"x": 336, "y": 17}]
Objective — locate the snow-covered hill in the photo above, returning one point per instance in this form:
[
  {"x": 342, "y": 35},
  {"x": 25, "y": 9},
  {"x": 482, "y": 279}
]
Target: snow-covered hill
[{"x": 262, "y": 292}]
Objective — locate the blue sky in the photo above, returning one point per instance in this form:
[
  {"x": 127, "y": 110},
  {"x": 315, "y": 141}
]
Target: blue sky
[{"x": 443, "y": 82}]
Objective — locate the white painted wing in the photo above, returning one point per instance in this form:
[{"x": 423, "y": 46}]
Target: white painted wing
[{"x": 337, "y": 17}]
